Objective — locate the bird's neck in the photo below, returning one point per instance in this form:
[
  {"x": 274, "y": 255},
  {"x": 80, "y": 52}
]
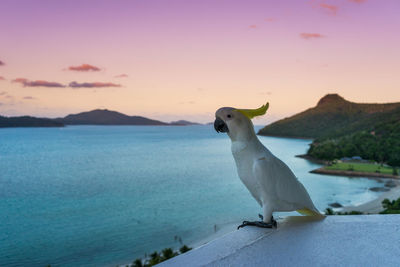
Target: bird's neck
[
  {"x": 245, "y": 133},
  {"x": 241, "y": 145},
  {"x": 243, "y": 136}
]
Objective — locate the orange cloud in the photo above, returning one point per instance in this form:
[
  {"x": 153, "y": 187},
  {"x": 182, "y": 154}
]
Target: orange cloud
[
  {"x": 2, "y": 78},
  {"x": 253, "y": 26},
  {"x": 84, "y": 67},
  {"x": 332, "y": 9},
  {"x": 37, "y": 83},
  {"x": 309, "y": 36},
  {"x": 269, "y": 19},
  {"x": 19, "y": 80},
  {"x": 92, "y": 85},
  {"x": 121, "y": 76}
]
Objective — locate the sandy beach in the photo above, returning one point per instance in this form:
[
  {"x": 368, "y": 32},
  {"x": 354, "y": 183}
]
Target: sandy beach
[
  {"x": 375, "y": 206},
  {"x": 322, "y": 170}
]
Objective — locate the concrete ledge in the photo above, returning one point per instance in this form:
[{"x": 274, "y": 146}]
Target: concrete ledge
[{"x": 354, "y": 240}]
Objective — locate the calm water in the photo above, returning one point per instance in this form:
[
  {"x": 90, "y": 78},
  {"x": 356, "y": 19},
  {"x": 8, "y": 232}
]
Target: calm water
[{"x": 98, "y": 196}]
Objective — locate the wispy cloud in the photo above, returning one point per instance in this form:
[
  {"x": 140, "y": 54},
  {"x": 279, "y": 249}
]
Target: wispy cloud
[
  {"x": 6, "y": 96},
  {"x": 121, "y": 76},
  {"x": 37, "y": 83},
  {"x": 269, "y": 19},
  {"x": 265, "y": 93},
  {"x": 92, "y": 85},
  {"x": 332, "y": 9},
  {"x": 28, "y": 97},
  {"x": 358, "y": 1},
  {"x": 2, "y": 78},
  {"x": 6, "y": 99},
  {"x": 19, "y": 80},
  {"x": 191, "y": 102},
  {"x": 84, "y": 67},
  {"x": 41, "y": 83},
  {"x": 253, "y": 26},
  {"x": 2, "y": 63},
  {"x": 309, "y": 36}
]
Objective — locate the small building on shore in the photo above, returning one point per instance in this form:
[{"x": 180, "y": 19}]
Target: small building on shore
[{"x": 357, "y": 159}]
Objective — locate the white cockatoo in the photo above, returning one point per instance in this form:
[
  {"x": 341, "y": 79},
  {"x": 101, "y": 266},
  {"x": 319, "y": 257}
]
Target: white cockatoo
[{"x": 269, "y": 180}]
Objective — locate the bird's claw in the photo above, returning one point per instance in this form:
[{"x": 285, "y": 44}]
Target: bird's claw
[{"x": 272, "y": 224}]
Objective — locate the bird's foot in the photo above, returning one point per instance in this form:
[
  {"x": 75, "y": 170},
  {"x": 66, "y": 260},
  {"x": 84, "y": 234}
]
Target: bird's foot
[{"x": 272, "y": 224}]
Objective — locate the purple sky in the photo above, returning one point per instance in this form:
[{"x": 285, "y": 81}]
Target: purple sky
[{"x": 184, "y": 59}]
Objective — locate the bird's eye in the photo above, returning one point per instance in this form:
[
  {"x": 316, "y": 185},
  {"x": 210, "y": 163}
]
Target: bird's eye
[{"x": 229, "y": 116}]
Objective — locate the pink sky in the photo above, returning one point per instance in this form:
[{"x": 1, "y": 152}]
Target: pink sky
[{"x": 184, "y": 59}]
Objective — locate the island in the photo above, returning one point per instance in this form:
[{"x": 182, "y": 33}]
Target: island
[
  {"x": 94, "y": 117},
  {"x": 183, "y": 123},
  {"x": 28, "y": 121}
]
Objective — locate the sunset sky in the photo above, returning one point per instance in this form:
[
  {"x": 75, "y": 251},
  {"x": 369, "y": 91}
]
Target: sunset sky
[{"x": 170, "y": 60}]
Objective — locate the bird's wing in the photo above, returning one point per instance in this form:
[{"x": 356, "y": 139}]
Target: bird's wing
[{"x": 281, "y": 185}]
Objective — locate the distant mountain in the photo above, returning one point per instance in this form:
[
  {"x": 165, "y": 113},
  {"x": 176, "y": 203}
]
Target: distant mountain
[
  {"x": 94, "y": 117},
  {"x": 27, "y": 121},
  {"x": 106, "y": 117},
  {"x": 333, "y": 117},
  {"x": 183, "y": 123}
]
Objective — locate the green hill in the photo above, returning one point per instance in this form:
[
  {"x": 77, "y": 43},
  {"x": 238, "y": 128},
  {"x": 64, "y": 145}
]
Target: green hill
[
  {"x": 344, "y": 129},
  {"x": 106, "y": 117},
  {"x": 380, "y": 143},
  {"x": 333, "y": 117}
]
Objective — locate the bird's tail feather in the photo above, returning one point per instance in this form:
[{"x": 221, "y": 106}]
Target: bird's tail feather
[{"x": 309, "y": 212}]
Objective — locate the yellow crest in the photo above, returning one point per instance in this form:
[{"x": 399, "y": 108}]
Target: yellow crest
[{"x": 251, "y": 113}]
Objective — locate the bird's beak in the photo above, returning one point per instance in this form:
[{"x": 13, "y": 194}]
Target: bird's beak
[{"x": 220, "y": 126}]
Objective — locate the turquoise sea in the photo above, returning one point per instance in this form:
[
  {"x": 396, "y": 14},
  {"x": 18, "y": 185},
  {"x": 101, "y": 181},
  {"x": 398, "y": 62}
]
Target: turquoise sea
[{"x": 105, "y": 195}]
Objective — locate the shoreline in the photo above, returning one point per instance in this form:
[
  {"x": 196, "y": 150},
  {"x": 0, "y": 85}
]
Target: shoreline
[
  {"x": 311, "y": 159},
  {"x": 322, "y": 170},
  {"x": 223, "y": 230},
  {"x": 284, "y": 136},
  {"x": 371, "y": 207},
  {"x": 375, "y": 206}
]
